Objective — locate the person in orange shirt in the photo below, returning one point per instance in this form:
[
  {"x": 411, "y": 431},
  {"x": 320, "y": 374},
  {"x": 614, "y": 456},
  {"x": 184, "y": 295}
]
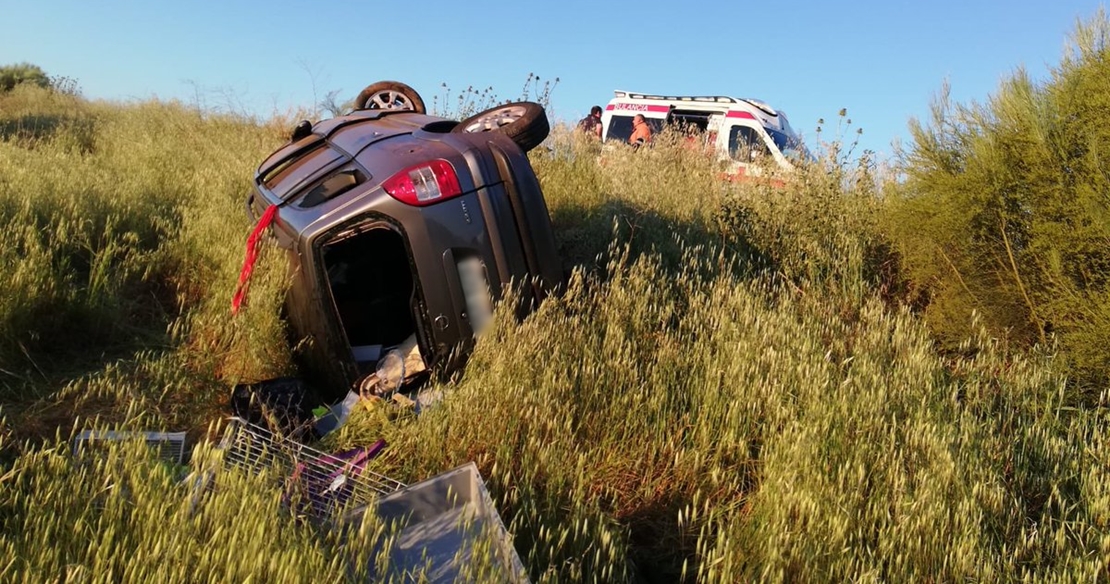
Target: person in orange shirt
[{"x": 641, "y": 131}]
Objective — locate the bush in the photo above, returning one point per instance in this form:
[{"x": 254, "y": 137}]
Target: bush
[
  {"x": 1004, "y": 212},
  {"x": 13, "y": 75}
]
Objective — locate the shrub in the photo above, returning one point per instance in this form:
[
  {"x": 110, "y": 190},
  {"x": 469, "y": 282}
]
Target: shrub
[
  {"x": 1004, "y": 212},
  {"x": 13, "y": 75}
]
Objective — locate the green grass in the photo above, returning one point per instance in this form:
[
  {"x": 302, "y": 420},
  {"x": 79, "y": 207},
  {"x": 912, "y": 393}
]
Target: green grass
[{"x": 729, "y": 389}]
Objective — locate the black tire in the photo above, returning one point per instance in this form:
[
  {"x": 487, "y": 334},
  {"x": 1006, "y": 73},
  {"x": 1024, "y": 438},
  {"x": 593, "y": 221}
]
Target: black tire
[
  {"x": 525, "y": 122},
  {"x": 391, "y": 95}
]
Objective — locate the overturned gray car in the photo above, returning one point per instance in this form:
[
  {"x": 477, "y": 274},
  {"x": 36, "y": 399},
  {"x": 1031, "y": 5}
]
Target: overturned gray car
[{"x": 403, "y": 229}]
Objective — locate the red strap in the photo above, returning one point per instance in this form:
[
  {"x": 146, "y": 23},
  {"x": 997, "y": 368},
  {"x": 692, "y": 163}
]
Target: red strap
[{"x": 253, "y": 243}]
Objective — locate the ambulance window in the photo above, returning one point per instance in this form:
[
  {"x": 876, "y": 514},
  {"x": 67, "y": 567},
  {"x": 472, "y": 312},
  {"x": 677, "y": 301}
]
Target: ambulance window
[
  {"x": 620, "y": 128},
  {"x": 745, "y": 144},
  {"x": 688, "y": 121}
]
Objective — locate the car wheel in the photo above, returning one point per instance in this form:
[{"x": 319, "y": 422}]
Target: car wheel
[
  {"x": 390, "y": 95},
  {"x": 524, "y": 122}
]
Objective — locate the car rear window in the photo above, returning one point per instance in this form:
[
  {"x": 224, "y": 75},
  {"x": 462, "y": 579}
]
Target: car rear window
[
  {"x": 293, "y": 172},
  {"x": 332, "y": 187}
]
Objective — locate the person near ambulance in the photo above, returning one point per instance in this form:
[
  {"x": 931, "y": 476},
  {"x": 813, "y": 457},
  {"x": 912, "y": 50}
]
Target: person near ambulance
[
  {"x": 641, "y": 131},
  {"x": 591, "y": 124}
]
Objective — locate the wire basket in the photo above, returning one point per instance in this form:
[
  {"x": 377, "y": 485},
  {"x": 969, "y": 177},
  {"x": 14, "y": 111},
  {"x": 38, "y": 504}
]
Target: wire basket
[
  {"x": 316, "y": 483},
  {"x": 167, "y": 446}
]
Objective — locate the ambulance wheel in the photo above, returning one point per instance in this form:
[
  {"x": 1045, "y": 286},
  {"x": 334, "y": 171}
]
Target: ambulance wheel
[
  {"x": 390, "y": 95},
  {"x": 524, "y": 122}
]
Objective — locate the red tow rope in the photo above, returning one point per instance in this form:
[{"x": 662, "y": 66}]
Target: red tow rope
[{"x": 253, "y": 243}]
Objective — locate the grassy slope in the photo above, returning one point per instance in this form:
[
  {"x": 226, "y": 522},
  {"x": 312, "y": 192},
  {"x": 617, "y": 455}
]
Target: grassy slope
[{"x": 676, "y": 412}]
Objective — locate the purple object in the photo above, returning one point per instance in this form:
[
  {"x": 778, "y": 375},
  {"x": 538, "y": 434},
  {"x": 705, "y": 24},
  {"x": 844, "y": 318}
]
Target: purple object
[{"x": 320, "y": 486}]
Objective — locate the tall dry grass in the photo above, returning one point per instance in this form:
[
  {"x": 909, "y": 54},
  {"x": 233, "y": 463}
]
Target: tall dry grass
[
  {"x": 121, "y": 254},
  {"x": 725, "y": 392}
]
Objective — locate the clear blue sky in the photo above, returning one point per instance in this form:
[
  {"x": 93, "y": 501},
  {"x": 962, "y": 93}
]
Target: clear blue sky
[{"x": 883, "y": 60}]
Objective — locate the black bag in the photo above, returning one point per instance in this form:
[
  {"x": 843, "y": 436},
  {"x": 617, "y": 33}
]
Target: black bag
[{"x": 283, "y": 404}]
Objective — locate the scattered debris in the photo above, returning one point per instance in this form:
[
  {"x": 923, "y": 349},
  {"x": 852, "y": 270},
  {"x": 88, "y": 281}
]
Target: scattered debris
[
  {"x": 444, "y": 523},
  {"x": 403, "y": 400},
  {"x": 420, "y": 401},
  {"x": 169, "y": 446},
  {"x": 91, "y": 445},
  {"x": 317, "y": 494},
  {"x": 399, "y": 367},
  {"x": 318, "y": 483},
  {"x": 283, "y": 404},
  {"x": 336, "y": 415},
  {"x": 447, "y": 526}
]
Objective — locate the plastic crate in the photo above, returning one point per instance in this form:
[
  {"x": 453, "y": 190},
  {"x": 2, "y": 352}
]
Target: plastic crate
[{"x": 443, "y": 523}]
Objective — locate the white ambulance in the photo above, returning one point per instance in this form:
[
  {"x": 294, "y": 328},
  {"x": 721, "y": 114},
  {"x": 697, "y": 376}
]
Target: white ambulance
[{"x": 741, "y": 131}]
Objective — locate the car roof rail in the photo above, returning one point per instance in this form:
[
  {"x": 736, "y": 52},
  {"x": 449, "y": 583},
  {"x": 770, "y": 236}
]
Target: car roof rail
[
  {"x": 709, "y": 98},
  {"x": 761, "y": 105}
]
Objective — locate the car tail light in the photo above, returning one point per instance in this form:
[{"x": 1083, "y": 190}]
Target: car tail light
[{"x": 424, "y": 184}]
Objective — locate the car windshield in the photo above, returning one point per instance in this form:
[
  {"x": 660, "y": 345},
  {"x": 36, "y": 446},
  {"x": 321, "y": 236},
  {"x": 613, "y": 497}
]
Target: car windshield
[{"x": 791, "y": 146}]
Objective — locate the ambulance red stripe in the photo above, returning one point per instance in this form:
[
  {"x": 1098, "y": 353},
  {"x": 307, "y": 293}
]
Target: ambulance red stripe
[
  {"x": 736, "y": 114},
  {"x": 635, "y": 107}
]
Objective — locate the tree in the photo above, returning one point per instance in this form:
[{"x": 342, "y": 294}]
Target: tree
[
  {"x": 12, "y": 75},
  {"x": 331, "y": 104}
]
